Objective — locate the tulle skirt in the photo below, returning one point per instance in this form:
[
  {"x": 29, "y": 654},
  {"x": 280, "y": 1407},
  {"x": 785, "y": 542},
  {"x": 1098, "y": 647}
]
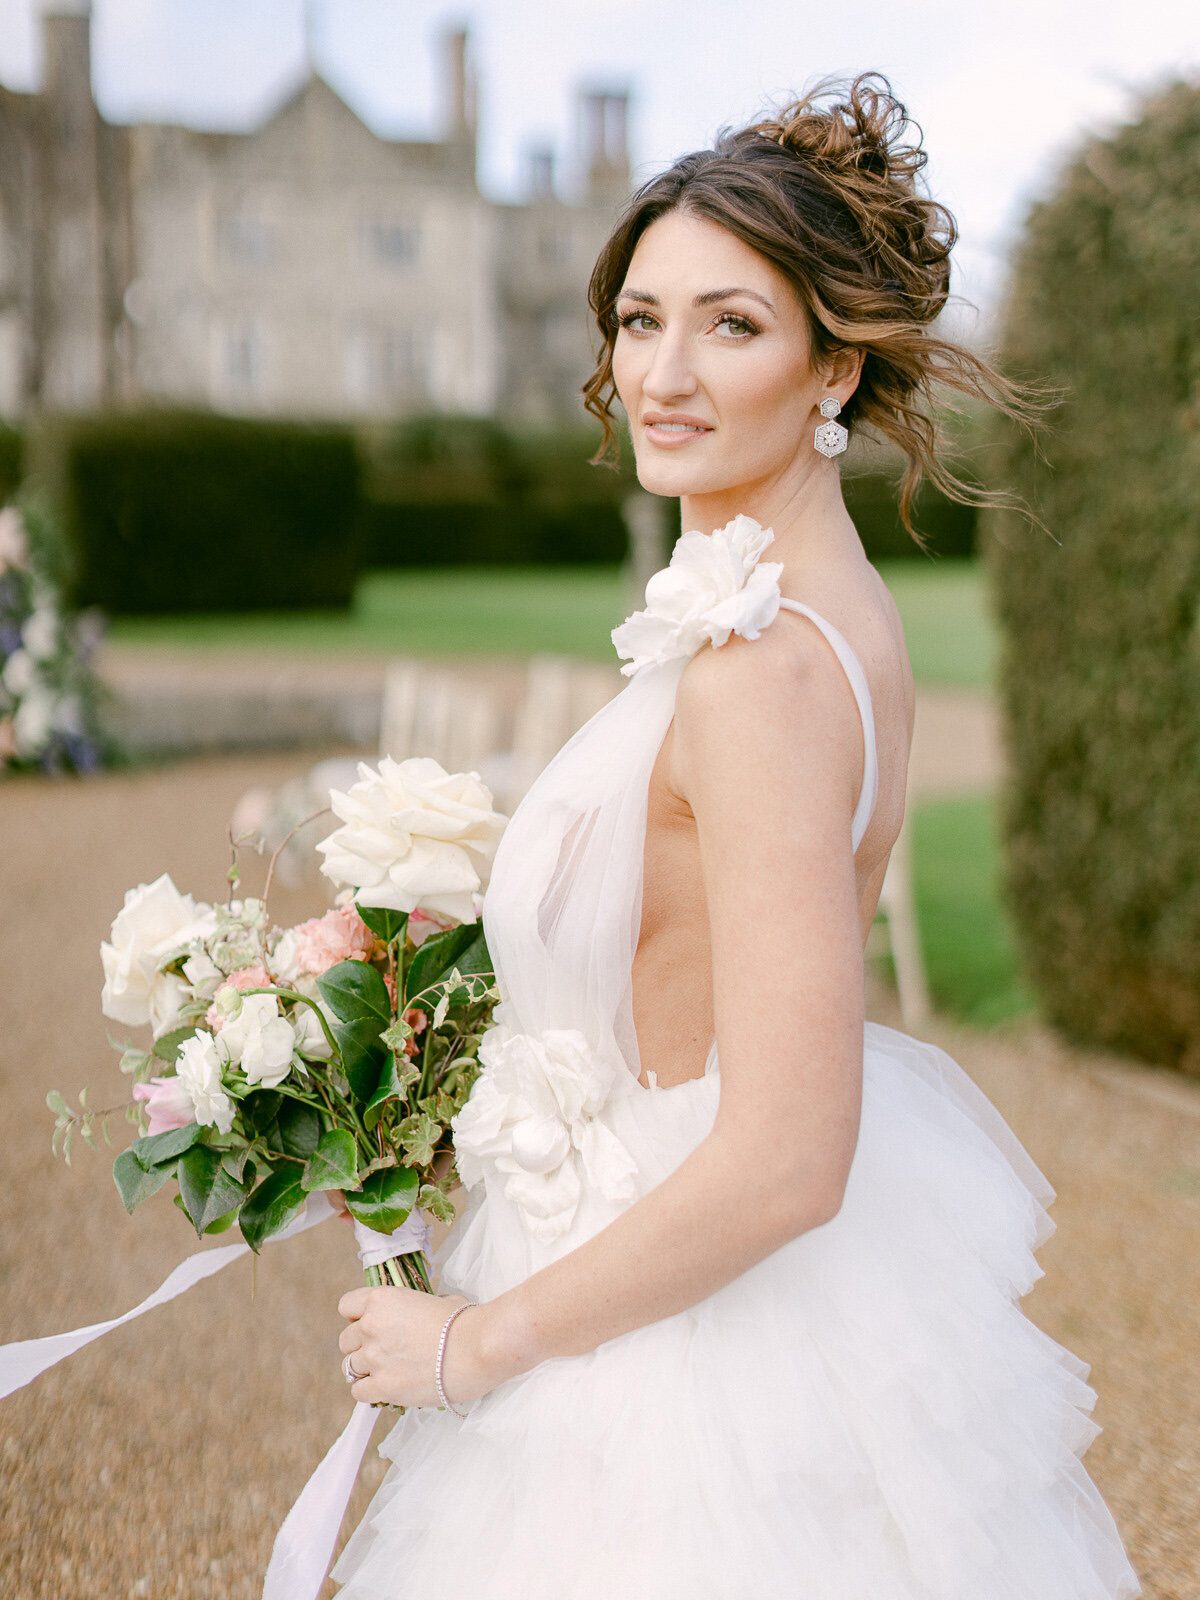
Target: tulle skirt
[{"x": 865, "y": 1415}]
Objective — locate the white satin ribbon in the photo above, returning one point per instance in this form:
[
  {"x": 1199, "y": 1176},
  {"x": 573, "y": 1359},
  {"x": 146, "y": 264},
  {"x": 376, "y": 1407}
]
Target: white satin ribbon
[
  {"x": 411, "y": 1237},
  {"x": 304, "y": 1544},
  {"x": 25, "y": 1360}
]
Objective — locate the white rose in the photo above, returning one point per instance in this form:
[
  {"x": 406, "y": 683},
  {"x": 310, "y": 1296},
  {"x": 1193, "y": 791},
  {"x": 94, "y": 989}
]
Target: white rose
[
  {"x": 40, "y": 634},
  {"x": 283, "y": 958},
  {"x": 714, "y": 586},
  {"x": 259, "y": 1040},
  {"x": 414, "y": 837},
  {"x": 155, "y": 924},
  {"x": 201, "y": 970},
  {"x": 198, "y": 1067},
  {"x": 20, "y": 673}
]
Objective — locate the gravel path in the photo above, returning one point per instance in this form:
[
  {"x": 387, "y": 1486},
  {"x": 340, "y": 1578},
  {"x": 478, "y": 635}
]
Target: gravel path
[{"x": 160, "y": 1462}]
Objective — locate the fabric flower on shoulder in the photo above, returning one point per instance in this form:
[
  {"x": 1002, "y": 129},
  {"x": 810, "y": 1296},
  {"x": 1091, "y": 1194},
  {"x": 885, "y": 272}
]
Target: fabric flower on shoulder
[{"x": 715, "y": 585}]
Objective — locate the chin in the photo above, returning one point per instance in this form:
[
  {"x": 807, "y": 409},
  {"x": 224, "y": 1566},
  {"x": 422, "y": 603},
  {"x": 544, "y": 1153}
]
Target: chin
[{"x": 673, "y": 477}]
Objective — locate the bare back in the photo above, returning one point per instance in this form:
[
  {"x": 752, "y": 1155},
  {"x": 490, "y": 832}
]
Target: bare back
[{"x": 672, "y": 968}]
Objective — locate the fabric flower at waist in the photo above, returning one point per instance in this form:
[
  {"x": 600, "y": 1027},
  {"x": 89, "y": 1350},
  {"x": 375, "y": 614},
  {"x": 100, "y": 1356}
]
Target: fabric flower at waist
[{"x": 533, "y": 1118}]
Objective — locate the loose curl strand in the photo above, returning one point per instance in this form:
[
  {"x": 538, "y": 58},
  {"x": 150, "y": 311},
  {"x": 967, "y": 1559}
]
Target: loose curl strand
[{"x": 829, "y": 190}]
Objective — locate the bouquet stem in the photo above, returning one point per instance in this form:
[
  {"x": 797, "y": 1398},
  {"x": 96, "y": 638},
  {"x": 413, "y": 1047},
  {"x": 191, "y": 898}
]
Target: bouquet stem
[{"x": 401, "y": 1272}]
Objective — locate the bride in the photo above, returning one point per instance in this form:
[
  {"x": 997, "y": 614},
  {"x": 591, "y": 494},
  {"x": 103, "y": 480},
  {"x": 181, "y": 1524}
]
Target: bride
[{"x": 731, "y": 1307}]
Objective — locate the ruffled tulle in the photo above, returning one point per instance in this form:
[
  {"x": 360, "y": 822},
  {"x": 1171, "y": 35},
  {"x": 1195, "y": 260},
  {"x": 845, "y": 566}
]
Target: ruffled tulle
[{"x": 866, "y": 1415}]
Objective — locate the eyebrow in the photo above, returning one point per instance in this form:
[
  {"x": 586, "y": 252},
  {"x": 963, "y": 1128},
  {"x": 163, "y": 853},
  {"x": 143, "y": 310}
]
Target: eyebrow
[{"x": 708, "y": 298}]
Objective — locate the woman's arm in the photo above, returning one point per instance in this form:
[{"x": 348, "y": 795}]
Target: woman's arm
[{"x": 767, "y": 752}]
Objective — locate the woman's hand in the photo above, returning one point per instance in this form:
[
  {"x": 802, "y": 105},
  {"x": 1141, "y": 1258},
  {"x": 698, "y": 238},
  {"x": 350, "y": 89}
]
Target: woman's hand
[{"x": 392, "y": 1341}]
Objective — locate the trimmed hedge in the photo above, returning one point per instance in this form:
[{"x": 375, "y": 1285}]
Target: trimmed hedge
[
  {"x": 1101, "y": 657},
  {"x": 463, "y": 491},
  {"x": 179, "y": 512},
  {"x": 11, "y": 451}
]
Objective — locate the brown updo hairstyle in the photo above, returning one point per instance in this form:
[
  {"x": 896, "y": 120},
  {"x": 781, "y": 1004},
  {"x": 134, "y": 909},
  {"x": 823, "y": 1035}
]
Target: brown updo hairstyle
[{"x": 827, "y": 190}]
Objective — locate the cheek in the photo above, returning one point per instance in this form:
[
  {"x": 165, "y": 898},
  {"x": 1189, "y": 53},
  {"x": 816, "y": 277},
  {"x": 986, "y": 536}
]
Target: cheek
[
  {"x": 628, "y": 369},
  {"x": 763, "y": 394}
]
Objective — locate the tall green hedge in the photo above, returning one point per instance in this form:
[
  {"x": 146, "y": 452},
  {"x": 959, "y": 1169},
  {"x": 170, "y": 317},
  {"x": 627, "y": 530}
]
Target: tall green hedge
[
  {"x": 11, "y": 451},
  {"x": 1101, "y": 658},
  {"x": 465, "y": 491},
  {"x": 178, "y": 512}
]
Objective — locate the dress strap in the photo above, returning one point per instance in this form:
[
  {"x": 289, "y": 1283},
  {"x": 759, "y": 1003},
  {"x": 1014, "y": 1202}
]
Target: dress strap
[{"x": 852, "y": 667}]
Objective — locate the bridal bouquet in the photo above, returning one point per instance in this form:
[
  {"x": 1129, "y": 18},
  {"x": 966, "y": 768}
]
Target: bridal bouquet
[{"x": 327, "y": 1056}]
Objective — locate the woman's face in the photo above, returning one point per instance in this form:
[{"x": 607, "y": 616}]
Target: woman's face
[{"x": 712, "y": 363}]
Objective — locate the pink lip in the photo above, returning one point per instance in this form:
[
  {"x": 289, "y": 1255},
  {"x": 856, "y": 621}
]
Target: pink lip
[{"x": 669, "y": 439}]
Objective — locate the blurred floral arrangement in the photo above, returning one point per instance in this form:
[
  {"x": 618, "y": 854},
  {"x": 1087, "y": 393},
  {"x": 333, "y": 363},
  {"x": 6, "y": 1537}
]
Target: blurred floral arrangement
[{"x": 48, "y": 691}]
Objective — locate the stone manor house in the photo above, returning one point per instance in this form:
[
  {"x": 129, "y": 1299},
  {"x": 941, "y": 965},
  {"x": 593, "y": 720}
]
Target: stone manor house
[{"x": 308, "y": 268}]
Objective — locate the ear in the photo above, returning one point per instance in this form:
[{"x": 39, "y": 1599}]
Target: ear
[{"x": 841, "y": 372}]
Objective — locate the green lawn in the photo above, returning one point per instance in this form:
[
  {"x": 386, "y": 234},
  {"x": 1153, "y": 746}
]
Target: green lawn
[
  {"x": 565, "y": 610},
  {"x": 970, "y": 954}
]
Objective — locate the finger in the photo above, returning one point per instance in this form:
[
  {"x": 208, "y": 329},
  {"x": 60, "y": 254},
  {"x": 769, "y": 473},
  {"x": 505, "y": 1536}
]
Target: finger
[
  {"x": 354, "y": 1303},
  {"x": 350, "y": 1340},
  {"x": 367, "y": 1389}
]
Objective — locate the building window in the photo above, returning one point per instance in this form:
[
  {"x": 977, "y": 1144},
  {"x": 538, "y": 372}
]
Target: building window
[
  {"x": 391, "y": 244},
  {"x": 244, "y": 239},
  {"x": 383, "y": 367}
]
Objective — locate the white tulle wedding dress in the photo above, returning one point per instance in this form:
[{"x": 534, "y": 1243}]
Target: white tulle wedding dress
[{"x": 867, "y": 1414}]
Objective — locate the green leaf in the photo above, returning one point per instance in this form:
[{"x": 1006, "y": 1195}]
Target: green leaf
[
  {"x": 222, "y": 1223},
  {"x": 385, "y": 1199},
  {"x": 354, "y": 991},
  {"x": 166, "y": 1146},
  {"x": 436, "y": 957},
  {"x": 334, "y": 1163},
  {"x": 135, "y": 1182},
  {"x": 57, "y": 1104},
  {"x": 362, "y": 1054},
  {"x": 420, "y": 1137},
  {"x": 208, "y": 1191},
  {"x": 234, "y": 1162},
  {"x": 383, "y": 921},
  {"x": 167, "y": 1048},
  {"x": 476, "y": 958},
  {"x": 299, "y": 1128},
  {"x": 398, "y": 1072},
  {"x": 260, "y": 1109},
  {"x": 277, "y": 1201},
  {"x": 438, "y": 1205}
]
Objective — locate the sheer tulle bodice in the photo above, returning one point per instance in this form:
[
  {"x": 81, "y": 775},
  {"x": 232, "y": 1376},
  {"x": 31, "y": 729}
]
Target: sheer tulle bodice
[{"x": 865, "y": 1415}]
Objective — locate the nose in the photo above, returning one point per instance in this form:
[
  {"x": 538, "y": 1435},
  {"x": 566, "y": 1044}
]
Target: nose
[{"x": 670, "y": 376}]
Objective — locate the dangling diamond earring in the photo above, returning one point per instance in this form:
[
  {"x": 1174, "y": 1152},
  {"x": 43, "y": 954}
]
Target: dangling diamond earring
[{"x": 830, "y": 438}]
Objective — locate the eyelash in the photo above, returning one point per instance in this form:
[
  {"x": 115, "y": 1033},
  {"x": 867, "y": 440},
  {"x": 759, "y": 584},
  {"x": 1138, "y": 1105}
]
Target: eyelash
[{"x": 628, "y": 318}]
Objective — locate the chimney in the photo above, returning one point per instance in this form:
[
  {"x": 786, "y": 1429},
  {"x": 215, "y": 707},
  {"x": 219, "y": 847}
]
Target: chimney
[
  {"x": 67, "y": 51},
  {"x": 461, "y": 87},
  {"x": 604, "y": 136}
]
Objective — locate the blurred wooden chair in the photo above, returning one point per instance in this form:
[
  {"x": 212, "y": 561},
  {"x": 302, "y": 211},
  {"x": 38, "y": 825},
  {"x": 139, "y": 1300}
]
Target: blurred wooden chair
[{"x": 896, "y": 933}]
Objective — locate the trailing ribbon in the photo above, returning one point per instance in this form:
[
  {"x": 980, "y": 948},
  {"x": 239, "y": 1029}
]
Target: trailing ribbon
[
  {"x": 306, "y": 1539},
  {"x": 25, "y": 1360},
  {"x": 304, "y": 1544}
]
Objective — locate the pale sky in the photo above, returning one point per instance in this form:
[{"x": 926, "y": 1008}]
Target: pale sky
[{"x": 1003, "y": 89}]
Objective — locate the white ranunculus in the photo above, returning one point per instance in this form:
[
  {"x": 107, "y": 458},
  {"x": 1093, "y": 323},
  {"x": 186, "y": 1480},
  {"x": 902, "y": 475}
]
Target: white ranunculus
[
  {"x": 715, "y": 585},
  {"x": 414, "y": 837},
  {"x": 532, "y": 1115},
  {"x": 155, "y": 924},
  {"x": 201, "y": 970},
  {"x": 198, "y": 1067},
  {"x": 259, "y": 1040},
  {"x": 20, "y": 673},
  {"x": 40, "y": 634}
]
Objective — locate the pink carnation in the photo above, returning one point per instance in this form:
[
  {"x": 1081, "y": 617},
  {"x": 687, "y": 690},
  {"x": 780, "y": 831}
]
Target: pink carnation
[
  {"x": 168, "y": 1104},
  {"x": 243, "y": 978},
  {"x": 340, "y": 935}
]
